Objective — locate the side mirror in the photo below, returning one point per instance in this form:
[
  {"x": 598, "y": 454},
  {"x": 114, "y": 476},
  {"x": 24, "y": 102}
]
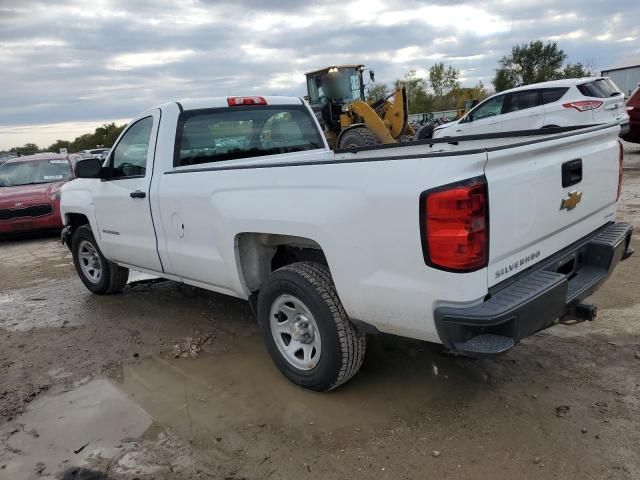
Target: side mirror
[
  {"x": 372, "y": 75},
  {"x": 88, "y": 168}
]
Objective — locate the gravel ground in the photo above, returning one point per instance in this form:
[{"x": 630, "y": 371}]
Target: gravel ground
[{"x": 90, "y": 389}]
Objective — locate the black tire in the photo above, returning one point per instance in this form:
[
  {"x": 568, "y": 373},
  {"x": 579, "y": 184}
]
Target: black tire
[
  {"x": 343, "y": 345},
  {"x": 358, "y": 137},
  {"x": 113, "y": 277},
  {"x": 424, "y": 132}
]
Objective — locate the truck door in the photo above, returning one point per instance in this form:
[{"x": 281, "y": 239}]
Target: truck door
[{"x": 122, "y": 208}]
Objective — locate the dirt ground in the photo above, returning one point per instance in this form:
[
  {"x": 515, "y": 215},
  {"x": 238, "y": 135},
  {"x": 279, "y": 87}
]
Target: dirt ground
[{"x": 90, "y": 389}]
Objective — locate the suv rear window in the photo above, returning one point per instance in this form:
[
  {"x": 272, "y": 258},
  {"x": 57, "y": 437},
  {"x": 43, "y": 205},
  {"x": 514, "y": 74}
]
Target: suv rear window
[
  {"x": 600, "y": 88},
  {"x": 550, "y": 95},
  {"x": 215, "y": 135}
]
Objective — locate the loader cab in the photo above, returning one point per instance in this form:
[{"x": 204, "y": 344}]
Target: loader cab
[
  {"x": 330, "y": 89},
  {"x": 338, "y": 84}
]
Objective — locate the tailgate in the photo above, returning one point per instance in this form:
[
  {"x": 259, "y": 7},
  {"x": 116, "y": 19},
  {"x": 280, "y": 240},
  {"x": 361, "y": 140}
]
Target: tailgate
[
  {"x": 531, "y": 214},
  {"x": 612, "y": 110}
]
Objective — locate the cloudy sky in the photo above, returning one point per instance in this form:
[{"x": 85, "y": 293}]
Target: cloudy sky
[{"x": 68, "y": 65}]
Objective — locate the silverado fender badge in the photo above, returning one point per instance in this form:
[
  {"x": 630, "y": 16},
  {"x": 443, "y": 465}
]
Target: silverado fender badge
[{"x": 571, "y": 201}]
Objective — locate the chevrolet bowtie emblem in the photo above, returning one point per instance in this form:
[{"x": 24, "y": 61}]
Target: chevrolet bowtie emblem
[{"x": 571, "y": 201}]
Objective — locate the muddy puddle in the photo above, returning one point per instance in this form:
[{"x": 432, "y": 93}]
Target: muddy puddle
[
  {"x": 227, "y": 397},
  {"x": 53, "y": 303}
]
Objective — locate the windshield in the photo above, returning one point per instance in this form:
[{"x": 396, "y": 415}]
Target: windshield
[
  {"x": 341, "y": 85},
  {"x": 35, "y": 171}
]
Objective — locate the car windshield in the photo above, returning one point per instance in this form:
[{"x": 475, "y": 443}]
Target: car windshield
[{"x": 35, "y": 171}]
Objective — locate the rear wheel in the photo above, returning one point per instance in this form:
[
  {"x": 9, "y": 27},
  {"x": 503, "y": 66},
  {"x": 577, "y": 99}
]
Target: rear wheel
[
  {"x": 358, "y": 137},
  {"x": 97, "y": 273},
  {"x": 306, "y": 329}
]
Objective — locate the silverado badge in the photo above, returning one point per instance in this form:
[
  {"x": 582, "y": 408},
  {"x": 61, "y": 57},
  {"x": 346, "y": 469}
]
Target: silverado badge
[{"x": 571, "y": 201}]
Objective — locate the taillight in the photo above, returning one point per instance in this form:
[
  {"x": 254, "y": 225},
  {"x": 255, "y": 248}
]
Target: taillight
[
  {"x": 455, "y": 226},
  {"x": 236, "y": 101},
  {"x": 583, "y": 105},
  {"x": 620, "y": 169}
]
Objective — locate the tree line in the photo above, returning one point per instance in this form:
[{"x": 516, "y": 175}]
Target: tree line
[
  {"x": 526, "y": 64},
  {"x": 103, "y": 136}
]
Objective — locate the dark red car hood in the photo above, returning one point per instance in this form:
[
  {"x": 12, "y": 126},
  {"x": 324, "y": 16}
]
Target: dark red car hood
[{"x": 25, "y": 195}]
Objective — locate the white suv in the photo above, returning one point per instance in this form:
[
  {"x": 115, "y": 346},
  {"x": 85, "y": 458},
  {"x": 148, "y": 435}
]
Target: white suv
[{"x": 560, "y": 103}]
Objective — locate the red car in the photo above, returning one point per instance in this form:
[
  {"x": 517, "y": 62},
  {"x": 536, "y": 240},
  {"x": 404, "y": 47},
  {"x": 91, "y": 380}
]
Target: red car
[
  {"x": 30, "y": 192},
  {"x": 633, "y": 109}
]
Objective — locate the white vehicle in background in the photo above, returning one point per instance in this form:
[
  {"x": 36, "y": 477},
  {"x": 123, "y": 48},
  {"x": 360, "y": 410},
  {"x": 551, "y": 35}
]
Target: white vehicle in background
[
  {"x": 95, "y": 152},
  {"x": 560, "y": 103},
  {"x": 474, "y": 245}
]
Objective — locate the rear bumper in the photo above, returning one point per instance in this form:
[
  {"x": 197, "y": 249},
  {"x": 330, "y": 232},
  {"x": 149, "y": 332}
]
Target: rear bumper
[{"x": 536, "y": 298}]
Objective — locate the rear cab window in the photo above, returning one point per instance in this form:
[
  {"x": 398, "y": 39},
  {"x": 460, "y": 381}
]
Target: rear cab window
[
  {"x": 220, "y": 134},
  {"x": 599, "y": 88}
]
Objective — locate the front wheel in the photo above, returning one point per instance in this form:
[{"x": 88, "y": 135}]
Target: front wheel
[
  {"x": 306, "y": 329},
  {"x": 97, "y": 273}
]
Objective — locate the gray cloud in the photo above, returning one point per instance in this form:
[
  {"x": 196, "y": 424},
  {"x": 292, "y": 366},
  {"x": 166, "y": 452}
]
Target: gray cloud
[{"x": 106, "y": 59}]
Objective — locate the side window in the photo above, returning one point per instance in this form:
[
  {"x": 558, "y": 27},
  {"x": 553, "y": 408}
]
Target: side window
[
  {"x": 521, "y": 101},
  {"x": 489, "y": 108},
  {"x": 129, "y": 158},
  {"x": 550, "y": 95}
]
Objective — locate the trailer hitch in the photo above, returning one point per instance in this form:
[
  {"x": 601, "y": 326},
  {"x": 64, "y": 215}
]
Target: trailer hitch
[{"x": 580, "y": 313}]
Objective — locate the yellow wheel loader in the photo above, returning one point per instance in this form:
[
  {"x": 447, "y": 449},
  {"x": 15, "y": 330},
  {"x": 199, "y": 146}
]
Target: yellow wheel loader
[{"x": 337, "y": 96}]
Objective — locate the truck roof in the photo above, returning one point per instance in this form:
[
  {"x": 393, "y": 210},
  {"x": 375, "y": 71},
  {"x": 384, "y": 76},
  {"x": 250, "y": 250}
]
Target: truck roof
[{"x": 221, "y": 102}]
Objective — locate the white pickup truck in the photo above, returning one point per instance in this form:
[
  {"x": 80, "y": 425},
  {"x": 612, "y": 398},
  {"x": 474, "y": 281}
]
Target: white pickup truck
[{"x": 474, "y": 244}]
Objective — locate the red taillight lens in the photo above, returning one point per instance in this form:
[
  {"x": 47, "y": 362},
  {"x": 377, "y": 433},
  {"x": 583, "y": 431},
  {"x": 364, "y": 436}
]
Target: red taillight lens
[
  {"x": 620, "y": 169},
  {"x": 236, "y": 101},
  {"x": 584, "y": 105},
  {"x": 455, "y": 228}
]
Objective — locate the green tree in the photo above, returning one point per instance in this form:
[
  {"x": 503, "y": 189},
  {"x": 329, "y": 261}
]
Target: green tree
[
  {"x": 416, "y": 89},
  {"x": 103, "y": 136},
  {"x": 377, "y": 91},
  {"x": 27, "y": 149},
  {"x": 55, "y": 147},
  {"x": 462, "y": 94},
  {"x": 443, "y": 79},
  {"x": 529, "y": 63},
  {"x": 577, "y": 70}
]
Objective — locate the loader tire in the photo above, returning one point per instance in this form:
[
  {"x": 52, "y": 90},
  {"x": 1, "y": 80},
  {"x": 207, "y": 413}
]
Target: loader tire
[
  {"x": 358, "y": 137},
  {"x": 424, "y": 132},
  {"x": 306, "y": 329},
  {"x": 98, "y": 274}
]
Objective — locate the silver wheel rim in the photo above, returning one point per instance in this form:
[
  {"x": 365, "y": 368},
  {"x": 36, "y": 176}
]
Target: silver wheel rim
[
  {"x": 90, "y": 262},
  {"x": 295, "y": 332}
]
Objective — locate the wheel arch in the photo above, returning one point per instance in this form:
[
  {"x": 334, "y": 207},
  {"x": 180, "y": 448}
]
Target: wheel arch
[{"x": 259, "y": 254}]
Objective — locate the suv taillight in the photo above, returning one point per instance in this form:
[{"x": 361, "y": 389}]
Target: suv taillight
[
  {"x": 620, "y": 169},
  {"x": 583, "y": 105},
  {"x": 454, "y": 222}
]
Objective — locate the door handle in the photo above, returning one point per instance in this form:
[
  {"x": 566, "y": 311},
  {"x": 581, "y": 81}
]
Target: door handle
[
  {"x": 571, "y": 172},
  {"x": 138, "y": 194}
]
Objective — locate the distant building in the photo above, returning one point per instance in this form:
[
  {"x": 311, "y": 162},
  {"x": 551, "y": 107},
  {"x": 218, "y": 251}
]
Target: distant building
[{"x": 625, "y": 75}]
